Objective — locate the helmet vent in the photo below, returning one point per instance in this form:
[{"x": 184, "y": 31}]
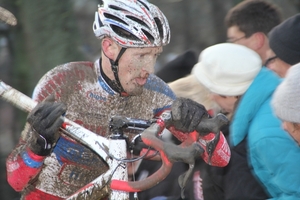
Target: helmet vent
[
  {"x": 138, "y": 21},
  {"x": 149, "y": 36},
  {"x": 109, "y": 16},
  {"x": 123, "y": 33},
  {"x": 99, "y": 21},
  {"x": 116, "y": 7},
  {"x": 144, "y": 5},
  {"x": 160, "y": 27}
]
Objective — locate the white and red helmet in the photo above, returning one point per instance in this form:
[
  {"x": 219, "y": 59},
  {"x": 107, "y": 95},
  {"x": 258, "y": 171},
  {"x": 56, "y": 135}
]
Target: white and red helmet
[{"x": 132, "y": 23}]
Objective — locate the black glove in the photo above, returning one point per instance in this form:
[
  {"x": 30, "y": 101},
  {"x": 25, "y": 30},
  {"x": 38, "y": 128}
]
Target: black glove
[
  {"x": 187, "y": 114},
  {"x": 45, "y": 120}
]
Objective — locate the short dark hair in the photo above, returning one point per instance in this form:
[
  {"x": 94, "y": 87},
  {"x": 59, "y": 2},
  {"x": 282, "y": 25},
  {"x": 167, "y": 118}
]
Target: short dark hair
[{"x": 252, "y": 16}]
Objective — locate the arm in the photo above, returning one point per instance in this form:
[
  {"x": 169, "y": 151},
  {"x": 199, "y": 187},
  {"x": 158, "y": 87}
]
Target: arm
[
  {"x": 22, "y": 164},
  {"x": 37, "y": 141}
]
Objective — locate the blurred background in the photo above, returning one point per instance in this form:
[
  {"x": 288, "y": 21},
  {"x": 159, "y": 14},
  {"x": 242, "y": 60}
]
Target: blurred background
[{"x": 54, "y": 32}]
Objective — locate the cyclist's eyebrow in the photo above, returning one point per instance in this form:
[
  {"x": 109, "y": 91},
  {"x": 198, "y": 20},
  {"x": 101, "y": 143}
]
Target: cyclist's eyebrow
[
  {"x": 160, "y": 51},
  {"x": 149, "y": 51}
]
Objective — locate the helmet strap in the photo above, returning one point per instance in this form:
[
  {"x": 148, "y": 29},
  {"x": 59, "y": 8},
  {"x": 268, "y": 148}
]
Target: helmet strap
[{"x": 115, "y": 68}]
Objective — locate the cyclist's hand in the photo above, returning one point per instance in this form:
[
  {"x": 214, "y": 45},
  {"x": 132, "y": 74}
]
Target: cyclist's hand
[
  {"x": 187, "y": 114},
  {"x": 45, "y": 120}
]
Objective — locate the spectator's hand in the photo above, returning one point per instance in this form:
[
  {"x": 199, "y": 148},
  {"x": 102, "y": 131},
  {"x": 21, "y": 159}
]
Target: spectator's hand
[
  {"x": 187, "y": 114},
  {"x": 45, "y": 120}
]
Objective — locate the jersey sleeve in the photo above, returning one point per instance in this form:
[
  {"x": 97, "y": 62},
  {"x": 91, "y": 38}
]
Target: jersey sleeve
[{"x": 22, "y": 165}]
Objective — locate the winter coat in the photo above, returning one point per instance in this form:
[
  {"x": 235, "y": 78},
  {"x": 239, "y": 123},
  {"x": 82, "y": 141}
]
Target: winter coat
[{"x": 272, "y": 153}]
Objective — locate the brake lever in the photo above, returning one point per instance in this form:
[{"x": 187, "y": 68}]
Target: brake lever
[{"x": 212, "y": 125}]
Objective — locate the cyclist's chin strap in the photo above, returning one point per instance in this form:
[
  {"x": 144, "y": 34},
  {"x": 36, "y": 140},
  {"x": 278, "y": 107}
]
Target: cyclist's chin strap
[{"x": 115, "y": 68}]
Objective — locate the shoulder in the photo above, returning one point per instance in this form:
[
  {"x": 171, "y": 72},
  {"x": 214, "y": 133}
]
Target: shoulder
[
  {"x": 266, "y": 78},
  {"x": 254, "y": 106},
  {"x": 67, "y": 75},
  {"x": 265, "y": 123},
  {"x": 77, "y": 69},
  {"x": 156, "y": 84},
  {"x": 266, "y": 128},
  {"x": 69, "y": 70}
]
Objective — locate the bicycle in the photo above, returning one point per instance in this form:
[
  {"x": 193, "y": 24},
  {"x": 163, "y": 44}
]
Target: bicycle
[{"x": 113, "y": 150}]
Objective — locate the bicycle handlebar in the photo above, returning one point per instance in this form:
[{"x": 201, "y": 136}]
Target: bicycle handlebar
[
  {"x": 205, "y": 127},
  {"x": 170, "y": 153}
]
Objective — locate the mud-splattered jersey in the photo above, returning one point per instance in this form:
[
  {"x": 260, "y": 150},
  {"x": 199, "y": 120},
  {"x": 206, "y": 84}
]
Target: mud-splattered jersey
[{"x": 91, "y": 103}]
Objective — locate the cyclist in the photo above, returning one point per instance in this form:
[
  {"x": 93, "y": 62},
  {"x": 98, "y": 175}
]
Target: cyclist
[{"x": 46, "y": 164}]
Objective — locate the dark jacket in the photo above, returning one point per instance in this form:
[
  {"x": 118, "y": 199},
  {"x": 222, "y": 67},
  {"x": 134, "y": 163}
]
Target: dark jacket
[{"x": 239, "y": 182}]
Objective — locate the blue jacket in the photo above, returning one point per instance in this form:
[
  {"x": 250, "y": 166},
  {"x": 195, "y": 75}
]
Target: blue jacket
[{"x": 273, "y": 154}]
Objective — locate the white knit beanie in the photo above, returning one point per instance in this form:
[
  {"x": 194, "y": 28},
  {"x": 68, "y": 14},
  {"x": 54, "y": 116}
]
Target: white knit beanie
[
  {"x": 286, "y": 99},
  {"x": 227, "y": 69}
]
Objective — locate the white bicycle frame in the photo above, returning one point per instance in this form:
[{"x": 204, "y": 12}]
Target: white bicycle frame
[{"x": 117, "y": 148}]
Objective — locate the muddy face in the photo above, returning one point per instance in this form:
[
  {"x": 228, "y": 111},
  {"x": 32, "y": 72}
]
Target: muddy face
[{"x": 135, "y": 66}]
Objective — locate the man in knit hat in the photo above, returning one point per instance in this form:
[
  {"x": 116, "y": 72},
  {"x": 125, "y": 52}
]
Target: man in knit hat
[
  {"x": 284, "y": 41},
  {"x": 286, "y": 102}
]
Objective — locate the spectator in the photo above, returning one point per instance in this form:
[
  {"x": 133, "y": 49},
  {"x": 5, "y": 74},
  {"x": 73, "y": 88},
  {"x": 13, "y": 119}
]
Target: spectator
[
  {"x": 286, "y": 102},
  {"x": 238, "y": 84},
  {"x": 190, "y": 87},
  {"x": 285, "y": 45},
  {"x": 249, "y": 22}
]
